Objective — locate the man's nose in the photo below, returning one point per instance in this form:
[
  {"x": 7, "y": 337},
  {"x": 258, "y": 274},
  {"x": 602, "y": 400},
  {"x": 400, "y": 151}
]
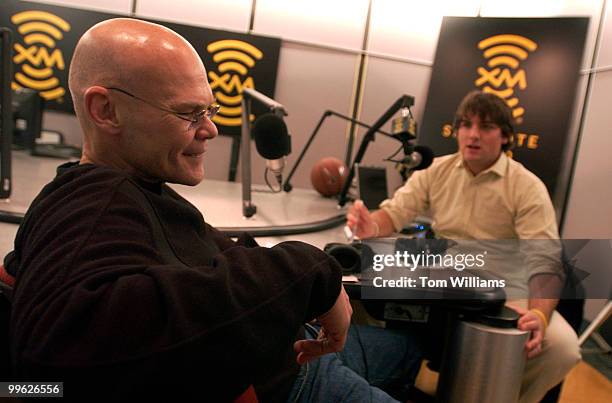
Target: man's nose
[
  {"x": 474, "y": 131},
  {"x": 206, "y": 130}
]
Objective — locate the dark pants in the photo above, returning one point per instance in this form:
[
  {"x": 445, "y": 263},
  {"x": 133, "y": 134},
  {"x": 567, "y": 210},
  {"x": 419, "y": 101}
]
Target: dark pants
[{"x": 373, "y": 360}]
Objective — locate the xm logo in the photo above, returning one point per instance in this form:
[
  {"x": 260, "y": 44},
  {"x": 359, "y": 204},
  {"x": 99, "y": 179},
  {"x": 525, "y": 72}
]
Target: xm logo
[
  {"x": 503, "y": 74},
  {"x": 234, "y": 59},
  {"x": 37, "y": 55}
]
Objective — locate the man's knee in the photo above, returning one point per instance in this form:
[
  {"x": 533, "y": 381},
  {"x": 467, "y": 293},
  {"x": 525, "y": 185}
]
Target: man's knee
[{"x": 561, "y": 344}]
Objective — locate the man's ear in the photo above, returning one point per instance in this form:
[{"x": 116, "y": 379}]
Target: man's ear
[{"x": 101, "y": 110}]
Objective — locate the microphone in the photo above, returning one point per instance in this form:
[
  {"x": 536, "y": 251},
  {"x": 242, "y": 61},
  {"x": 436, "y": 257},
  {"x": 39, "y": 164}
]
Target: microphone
[
  {"x": 272, "y": 142},
  {"x": 421, "y": 157}
]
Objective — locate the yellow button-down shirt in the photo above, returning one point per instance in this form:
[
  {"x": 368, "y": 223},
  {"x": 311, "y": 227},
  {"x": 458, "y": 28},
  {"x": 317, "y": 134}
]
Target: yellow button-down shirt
[{"x": 506, "y": 201}]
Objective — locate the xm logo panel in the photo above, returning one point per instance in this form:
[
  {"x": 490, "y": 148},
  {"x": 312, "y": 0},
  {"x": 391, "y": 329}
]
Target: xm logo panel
[
  {"x": 532, "y": 63},
  {"x": 234, "y": 60},
  {"x": 45, "y": 36},
  {"x": 38, "y": 55},
  {"x": 503, "y": 73}
]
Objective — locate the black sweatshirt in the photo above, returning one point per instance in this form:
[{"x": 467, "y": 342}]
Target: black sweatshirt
[{"x": 100, "y": 304}]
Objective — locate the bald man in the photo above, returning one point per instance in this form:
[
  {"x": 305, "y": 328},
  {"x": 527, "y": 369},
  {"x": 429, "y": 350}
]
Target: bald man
[{"x": 123, "y": 291}]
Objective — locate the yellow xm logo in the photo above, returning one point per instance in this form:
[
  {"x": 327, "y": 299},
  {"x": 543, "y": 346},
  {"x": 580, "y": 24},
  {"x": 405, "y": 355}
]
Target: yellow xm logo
[
  {"x": 503, "y": 74},
  {"x": 37, "y": 59},
  {"x": 234, "y": 59}
]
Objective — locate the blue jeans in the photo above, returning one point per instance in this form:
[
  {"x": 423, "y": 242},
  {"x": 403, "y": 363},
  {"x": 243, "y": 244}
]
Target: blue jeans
[{"x": 373, "y": 358}]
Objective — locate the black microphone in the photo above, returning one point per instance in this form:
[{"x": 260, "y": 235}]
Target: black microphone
[
  {"x": 272, "y": 142},
  {"x": 421, "y": 157}
]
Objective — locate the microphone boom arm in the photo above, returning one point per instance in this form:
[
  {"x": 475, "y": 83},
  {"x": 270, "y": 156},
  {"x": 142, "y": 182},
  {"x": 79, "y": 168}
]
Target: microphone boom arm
[
  {"x": 287, "y": 187},
  {"x": 403, "y": 101},
  {"x": 274, "y": 106}
]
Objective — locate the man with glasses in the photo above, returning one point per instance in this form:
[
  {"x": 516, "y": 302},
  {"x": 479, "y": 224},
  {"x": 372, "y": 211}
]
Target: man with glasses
[
  {"x": 124, "y": 292},
  {"x": 479, "y": 193}
]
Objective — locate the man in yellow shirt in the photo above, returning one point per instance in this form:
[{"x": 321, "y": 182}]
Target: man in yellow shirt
[{"x": 479, "y": 193}]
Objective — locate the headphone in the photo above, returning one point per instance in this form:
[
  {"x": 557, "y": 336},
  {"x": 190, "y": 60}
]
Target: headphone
[{"x": 351, "y": 257}]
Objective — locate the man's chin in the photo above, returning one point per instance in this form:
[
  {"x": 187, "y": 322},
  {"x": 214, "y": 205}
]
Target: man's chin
[
  {"x": 471, "y": 155},
  {"x": 188, "y": 180},
  {"x": 192, "y": 181}
]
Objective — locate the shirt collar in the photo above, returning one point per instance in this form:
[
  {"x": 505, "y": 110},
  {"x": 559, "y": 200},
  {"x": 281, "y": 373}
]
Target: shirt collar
[{"x": 499, "y": 167}]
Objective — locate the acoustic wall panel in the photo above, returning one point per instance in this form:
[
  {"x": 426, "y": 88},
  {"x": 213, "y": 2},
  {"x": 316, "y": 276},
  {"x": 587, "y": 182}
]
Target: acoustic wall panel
[
  {"x": 310, "y": 81},
  {"x": 336, "y": 23},
  {"x": 605, "y": 49},
  {"x": 589, "y": 213},
  {"x": 116, "y": 6},
  {"x": 540, "y": 8},
  {"x": 551, "y": 8},
  {"x": 233, "y": 15},
  {"x": 410, "y": 29}
]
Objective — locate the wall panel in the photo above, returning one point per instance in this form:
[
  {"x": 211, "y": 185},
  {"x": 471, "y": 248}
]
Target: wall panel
[
  {"x": 586, "y": 216},
  {"x": 410, "y": 29},
  {"x": 336, "y": 23},
  {"x": 589, "y": 213},
  {"x": 309, "y": 82},
  {"x": 117, "y": 6},
  {"x": 551, "y": 8},
  {"x": 605, "y": 50},
  {"x": 233, "y": 15}
]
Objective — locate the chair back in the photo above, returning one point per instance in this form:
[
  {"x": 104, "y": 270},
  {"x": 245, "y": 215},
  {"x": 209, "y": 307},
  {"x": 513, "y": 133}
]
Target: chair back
[{"x": 6, "y": 292}]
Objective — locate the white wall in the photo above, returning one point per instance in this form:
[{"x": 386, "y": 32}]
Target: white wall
[
  {"x": 111, "y": 6},
  {"x": 589, "y": 212},
  {"x": 231, "y": 15}
]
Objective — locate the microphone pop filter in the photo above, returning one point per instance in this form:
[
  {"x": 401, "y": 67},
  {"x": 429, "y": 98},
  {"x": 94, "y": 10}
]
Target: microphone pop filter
[{"x": 272, "y": 139}]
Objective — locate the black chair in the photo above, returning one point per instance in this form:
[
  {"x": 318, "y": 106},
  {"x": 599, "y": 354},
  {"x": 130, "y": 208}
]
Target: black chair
[
  {"x": 6, "y": 286},
  {"x": 571, "y": 308}
]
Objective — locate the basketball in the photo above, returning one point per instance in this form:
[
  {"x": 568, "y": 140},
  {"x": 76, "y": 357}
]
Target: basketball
[{"x": 328, "y": 176}]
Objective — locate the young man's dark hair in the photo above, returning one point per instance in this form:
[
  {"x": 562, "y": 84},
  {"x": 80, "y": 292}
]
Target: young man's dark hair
[{"x": 487, "y": 107}]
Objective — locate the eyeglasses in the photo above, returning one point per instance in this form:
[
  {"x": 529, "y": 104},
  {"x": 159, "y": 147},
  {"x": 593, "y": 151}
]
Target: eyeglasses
[{"x": 194, "y": 117}]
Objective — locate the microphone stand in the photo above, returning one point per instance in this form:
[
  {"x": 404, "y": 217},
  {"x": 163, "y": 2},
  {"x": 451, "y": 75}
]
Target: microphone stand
[
  {"x": 248, "y": 208},
  {"x": 6, "y": 118},
  {"x": 405, "y": 101},
  {"x": 287, "y": 186}
]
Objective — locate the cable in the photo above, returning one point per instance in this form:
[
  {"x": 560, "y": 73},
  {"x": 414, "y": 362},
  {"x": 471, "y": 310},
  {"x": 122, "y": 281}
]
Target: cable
[
  {"x": 390, "y": 158},
  {"x": 272, "y": 190}
]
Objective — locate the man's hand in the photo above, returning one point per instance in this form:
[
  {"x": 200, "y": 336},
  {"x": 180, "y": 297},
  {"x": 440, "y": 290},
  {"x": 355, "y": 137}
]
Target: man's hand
[
  {"x": 361, "y": 222},
  {"x": 532, "y": 322},
  {"x": 332, "y": 336}
]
